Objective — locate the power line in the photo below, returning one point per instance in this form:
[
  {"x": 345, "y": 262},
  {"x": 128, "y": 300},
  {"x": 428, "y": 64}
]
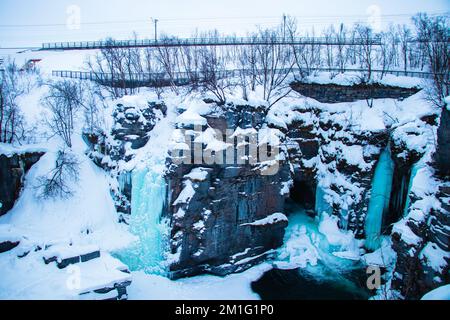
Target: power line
[{"x": 314, "y": 18}]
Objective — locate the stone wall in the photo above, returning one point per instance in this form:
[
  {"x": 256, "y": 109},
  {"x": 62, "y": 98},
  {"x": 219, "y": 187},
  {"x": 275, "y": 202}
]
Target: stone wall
[{"x": 334, "y": 93}]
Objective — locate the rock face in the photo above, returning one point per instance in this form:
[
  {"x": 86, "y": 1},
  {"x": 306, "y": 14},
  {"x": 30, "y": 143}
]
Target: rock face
[
  {"x": 443, "y": 143},
  {"x": 333, "y": 93},
  {"x": 319, "y": 144},
  {"x": 220, "y": 228},
  {"x": 423, "y": 257},
  {"x": 132, "y": 125},
  {"x": 12, "y": 172}
]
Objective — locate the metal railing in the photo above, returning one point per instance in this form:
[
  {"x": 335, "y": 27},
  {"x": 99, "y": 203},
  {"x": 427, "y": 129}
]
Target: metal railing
[
  {"x": 180, "y": 78},
  {"x": 218, "y": 41}
]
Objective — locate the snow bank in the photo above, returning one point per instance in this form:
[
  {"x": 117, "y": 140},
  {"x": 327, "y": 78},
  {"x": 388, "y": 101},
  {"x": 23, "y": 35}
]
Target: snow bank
[
  {"x": 9, "y": 150},
  {"x": 441, "y": 293},
  {"x": 87, "y": 217},
  {"x": 271, "y": 219},
  {"x": 206, "y": 287}
]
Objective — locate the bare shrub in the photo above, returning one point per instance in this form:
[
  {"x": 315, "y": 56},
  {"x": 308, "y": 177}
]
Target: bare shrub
[{"x": 57, "y": 182}]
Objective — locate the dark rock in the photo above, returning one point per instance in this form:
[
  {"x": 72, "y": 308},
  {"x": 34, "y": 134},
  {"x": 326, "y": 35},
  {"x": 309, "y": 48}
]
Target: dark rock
[
  {"x": 63, "y": 263},
  {"x": 12, "y": 173},
  {"x": 333, "y": 93},
  {"x": 442, "y": 155},
  {"x": 8, "y": 245}
]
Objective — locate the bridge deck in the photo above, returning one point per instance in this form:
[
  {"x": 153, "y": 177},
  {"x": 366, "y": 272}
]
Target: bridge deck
[{"x": 175, "y": 42}]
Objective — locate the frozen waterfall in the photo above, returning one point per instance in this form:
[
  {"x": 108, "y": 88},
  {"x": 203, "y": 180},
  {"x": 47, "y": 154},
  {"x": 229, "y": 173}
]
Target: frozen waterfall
[
  {"x": 379, "y": 199},
  {"x": 148, "y": 196}
]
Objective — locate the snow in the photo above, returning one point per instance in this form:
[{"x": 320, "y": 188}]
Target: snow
[
  {"x": 335, "y": 236},
  {"x": 10, "y": 150},
  {"x": 186, "y": 194},
  {"x": 53, "y": 221},
  {"x": 271, "y": 219},
  {"x": 447, "y": 102},
  {"x": 30, "y": 278},
  {"x": 191, "y": 118},
  {"x": 88, "y": 221},
  {"x": 197, "y": 174},
  {"x": 212, "y": 139},
  {"x": 371, "y": 120},
  {"x": 299, "y": 250},
  {"x": 306, "y": 246},
  {"x": 62, "y": 252},
  {"x": 205, "y": 287},
  {"x": 56, "y": 60},
  {"x": 351, "y": 78},
  {"x": 8, "y": 233},
  {"x": 353, "y": 155},
  {"x": 441, "y": 293},
  {"x": 405, "y": 232},
  {"x": 434, "y": 257},
  {"x": 384, "y": 256}
]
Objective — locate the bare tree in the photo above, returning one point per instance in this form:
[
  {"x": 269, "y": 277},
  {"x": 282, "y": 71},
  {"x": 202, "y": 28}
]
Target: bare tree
[
  {"x": 65, "y": 97},
  {"x": 365, "y": 39},
  {"x": 11, "y": 118},
  {"x": 56, "y": 183},
  {"x": 214, "y": 78},
  {"x": 329, "y": 36},
  {"x": 433, "y": 34},
  {"x": 341, "y": 56},
  {"x": 167, "y": 56},
  {"x": 92, "y": 104},
  {"x": 384, "y": 58},
  {"x": 404, "y": 35},
  {"x": 117, "y": 69},
  {"x": 275, "y": 63}
]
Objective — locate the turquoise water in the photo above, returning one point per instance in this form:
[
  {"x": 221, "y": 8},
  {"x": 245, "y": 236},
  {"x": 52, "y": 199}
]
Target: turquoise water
[
  {"x": 415, "y": 168},
  {"x": 328, "y": 277},
  {"x": 321, "y": 205}
]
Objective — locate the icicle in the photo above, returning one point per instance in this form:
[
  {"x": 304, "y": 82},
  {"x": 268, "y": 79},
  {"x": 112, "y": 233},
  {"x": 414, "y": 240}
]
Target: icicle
[
  {"x": 415, "y": 168},
  {"x": 321, "y": 204},
  {"x": 379, "y": 199}
]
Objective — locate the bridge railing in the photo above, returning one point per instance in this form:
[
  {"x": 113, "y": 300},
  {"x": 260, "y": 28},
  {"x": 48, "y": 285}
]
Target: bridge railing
[
  {"x": 217, "y": 41},
  {"x": 185, "y": 77}
]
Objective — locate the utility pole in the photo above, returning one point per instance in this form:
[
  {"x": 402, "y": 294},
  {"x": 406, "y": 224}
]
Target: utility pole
[
  {"x": 284, "y": 27},
  {"x": 156, "y": 29}
]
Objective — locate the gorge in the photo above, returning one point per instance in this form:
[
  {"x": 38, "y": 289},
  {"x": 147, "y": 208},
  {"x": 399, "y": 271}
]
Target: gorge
[{"x": 224, "y": 218}]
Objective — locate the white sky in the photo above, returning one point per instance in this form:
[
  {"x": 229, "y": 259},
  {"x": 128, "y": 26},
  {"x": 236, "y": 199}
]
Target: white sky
[{"x": 31, "y": 22}]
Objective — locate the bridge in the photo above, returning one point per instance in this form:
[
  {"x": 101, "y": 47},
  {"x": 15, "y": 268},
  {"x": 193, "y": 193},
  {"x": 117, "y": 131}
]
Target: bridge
[
  {"x": 184, "y": 78},
  {"x": 198, "y": 42}
]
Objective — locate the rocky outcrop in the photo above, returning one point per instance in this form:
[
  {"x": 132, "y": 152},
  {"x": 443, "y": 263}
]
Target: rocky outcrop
[
  {"x": 132, "y": 125},
  {"x": 325, "y": 150},
  {"x": 232, "y": 218},
  {"x": 333, "y": 93},
  {"x": 423, "y": 250},
  {"x": 13, "y": 168}
]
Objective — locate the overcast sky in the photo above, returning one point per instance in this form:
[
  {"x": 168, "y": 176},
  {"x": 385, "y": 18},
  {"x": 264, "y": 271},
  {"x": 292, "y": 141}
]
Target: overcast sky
[{"x": 31, "y": 22}]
